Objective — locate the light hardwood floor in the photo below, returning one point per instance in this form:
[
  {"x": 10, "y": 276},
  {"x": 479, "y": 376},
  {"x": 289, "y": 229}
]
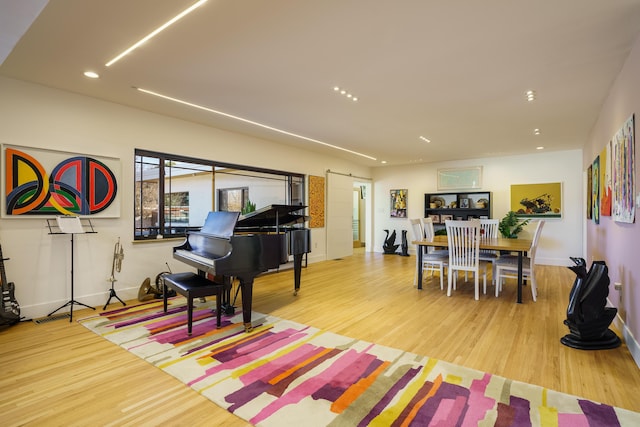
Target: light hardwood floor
[{"x": 60, "y": 374}]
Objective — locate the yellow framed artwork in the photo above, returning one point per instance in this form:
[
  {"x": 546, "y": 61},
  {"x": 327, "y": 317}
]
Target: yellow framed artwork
[{"x": 537, "y": 200}]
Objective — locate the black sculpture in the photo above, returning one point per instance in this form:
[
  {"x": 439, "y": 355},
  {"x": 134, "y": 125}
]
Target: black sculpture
[
  {"x": 405, "y": 244},
  {"x": 588, "y": 318},
  {"x": 389, "y": 246}
]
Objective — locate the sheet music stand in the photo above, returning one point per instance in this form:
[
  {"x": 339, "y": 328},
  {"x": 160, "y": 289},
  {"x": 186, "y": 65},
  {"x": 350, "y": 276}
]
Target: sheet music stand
[{"x": 72, "y": 225}]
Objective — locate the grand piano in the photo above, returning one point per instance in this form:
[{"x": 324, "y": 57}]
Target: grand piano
[{"x": 230, "y": 245}]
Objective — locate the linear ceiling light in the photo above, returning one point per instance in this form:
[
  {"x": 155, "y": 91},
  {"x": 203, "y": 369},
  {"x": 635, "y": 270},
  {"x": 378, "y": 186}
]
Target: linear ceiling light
[
  {"x": 251, "y": 122},
  {"x": 157, "y": 30}
]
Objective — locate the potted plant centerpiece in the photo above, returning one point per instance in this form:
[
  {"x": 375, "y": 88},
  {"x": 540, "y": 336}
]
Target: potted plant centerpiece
[{"x": 510, "y": 226}]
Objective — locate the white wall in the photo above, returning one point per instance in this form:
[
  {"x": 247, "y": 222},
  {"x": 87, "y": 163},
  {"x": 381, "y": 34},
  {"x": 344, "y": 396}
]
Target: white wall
[
  {"x": 36, "y": 116},
  {"x": 561, "y": 238}
]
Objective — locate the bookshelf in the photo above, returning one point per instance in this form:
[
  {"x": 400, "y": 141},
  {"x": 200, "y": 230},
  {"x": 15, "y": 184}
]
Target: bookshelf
[{"x": 458, "y": 206}]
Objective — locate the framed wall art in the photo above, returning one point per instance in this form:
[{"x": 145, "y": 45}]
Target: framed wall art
[
  {"x": 40, "y": 182},
  {"x": 624, "y": 173},
  {"x": 316, "y": 201},
  {"x": 537, "y": 200},
  {"x": 605, "y": 180},
  {"x": 460, "y": 178},
  {"x": 589, "y": 192},
  {"x": 595, "y": 191},
  {"x": 399, "y": 203}
]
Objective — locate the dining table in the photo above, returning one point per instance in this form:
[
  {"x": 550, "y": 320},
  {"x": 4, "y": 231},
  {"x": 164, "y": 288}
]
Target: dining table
[{"x": 520, "y": 246}]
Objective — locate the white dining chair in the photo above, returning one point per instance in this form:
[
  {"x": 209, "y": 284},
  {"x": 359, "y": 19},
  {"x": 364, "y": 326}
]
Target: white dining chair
[
  {"x": 489, "y": 230},
  {"x": 464, "y": 253},
  {"x": 429, "y": 232},
  {"x": 432, "y": 261},
  {"x": 506, "y": 267}
]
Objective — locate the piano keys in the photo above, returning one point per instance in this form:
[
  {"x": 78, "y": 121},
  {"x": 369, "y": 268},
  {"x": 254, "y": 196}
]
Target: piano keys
[{"x": 243, "y": 247}]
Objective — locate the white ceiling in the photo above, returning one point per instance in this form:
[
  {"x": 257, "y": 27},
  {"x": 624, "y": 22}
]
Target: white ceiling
[{"x": 453, "y": 71}]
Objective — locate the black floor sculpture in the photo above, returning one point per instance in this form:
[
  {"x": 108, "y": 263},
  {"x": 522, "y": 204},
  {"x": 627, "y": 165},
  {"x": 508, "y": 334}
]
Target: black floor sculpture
[
  {"x": 588, "y": 318},
  {"x": 404, "y": 248},
  {"x": 389, "y": 246}
]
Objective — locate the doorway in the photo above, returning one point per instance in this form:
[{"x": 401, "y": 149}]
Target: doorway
[{"x": 358, "y": 221}]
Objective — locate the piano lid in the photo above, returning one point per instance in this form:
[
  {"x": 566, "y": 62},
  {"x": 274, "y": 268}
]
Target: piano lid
[
  {"x": 272, "y": 215},
  {"x": 220, "y": 223}
]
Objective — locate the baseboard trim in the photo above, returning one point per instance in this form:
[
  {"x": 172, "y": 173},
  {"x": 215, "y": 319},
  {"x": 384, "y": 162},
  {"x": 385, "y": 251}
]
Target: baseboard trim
[
  {"x": 632, "y": 345},
  {"x": 629, "y": 339}
]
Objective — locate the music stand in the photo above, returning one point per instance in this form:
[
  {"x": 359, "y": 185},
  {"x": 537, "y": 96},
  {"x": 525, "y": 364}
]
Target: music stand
[{"x": 69, "y": 224}]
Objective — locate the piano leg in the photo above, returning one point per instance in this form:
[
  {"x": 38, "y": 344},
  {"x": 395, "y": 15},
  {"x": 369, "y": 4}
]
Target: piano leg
[
  {"x": 227, "y": 306},
  {"x": 297, "y": 272},
  {"x": 246, "y": 285}
]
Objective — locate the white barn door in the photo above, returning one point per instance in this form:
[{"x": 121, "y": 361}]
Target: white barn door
[{"x": 339, "y": 216}]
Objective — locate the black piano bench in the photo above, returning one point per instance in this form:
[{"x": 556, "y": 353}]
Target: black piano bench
[{"x": 191, "y": 286}]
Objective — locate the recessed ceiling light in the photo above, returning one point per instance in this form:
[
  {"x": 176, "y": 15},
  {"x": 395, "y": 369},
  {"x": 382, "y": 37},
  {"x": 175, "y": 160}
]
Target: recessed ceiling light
[
  {"x": 536, "y": 131},
  {"x": 91, "y": 74},
  {"x": 251, "y": 122},
  {"x": 540, "y": 148},
  {"x": 531, "y": 95},
  {"x": 384, "y": 162},
  {"x": 157, "y": 30},
  {"x": 345, "y": 93},
  {"x": 427, "y": 140}
]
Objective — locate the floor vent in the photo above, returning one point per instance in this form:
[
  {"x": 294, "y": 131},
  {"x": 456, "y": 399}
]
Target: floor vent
[{"x": 51, "y": 318}]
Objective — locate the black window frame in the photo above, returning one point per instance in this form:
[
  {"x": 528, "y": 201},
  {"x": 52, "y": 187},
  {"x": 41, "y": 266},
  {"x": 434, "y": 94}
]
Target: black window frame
[{"x": 295, "y": 185}]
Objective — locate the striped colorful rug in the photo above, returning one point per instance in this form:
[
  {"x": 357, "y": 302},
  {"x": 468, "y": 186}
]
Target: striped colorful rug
[{"x": 285, "y": 373}]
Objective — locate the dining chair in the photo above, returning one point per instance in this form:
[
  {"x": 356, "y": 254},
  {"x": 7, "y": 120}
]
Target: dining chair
[
  {"x": 506, "y": 267},
  {"x": 489, "y": 230},
  {"x": 432, "y": 261},
  {"x": 464, "y": 253},
  {"x": 429, "y": 232}
]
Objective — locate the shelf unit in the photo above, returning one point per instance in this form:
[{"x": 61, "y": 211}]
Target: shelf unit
[{"x": 464, "y": 205}]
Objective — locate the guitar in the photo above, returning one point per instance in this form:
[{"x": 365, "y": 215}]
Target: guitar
[{"x": 9, "y": 309}]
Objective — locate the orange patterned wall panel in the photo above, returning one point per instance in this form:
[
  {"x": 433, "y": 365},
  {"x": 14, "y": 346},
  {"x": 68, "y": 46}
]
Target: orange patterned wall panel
[{"x": 316, "y": 201}]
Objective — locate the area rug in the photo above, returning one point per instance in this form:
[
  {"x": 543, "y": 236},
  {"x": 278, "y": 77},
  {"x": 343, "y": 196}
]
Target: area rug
[{"x": 286, "y": 373}]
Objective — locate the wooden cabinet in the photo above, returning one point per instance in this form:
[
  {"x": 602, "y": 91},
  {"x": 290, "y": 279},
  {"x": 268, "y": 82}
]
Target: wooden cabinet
[{"x": 465, "y": 205}]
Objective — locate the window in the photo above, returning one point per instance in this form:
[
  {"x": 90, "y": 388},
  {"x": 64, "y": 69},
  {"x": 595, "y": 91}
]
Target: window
[
  {"x": 176, "y": 207},
  {"x": 174, "y": 194},
  {"x": 233, "y": 199}
]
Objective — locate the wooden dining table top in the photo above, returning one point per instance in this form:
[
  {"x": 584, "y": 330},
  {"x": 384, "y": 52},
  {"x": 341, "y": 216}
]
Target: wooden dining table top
[
  {"x": 521, "y": 246},
  {"x": 498, "y": 244}
]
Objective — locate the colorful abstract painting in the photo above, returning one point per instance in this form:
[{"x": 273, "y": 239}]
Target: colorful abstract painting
[
  {"x": 47, "y": 182},
  {"x": 595, "y": 190},
  {"x": 605, "y": 180},
  {"x": 624, "y": 173},
  {"x": 399, "y": 203},
  {"x": 287, "y": 374}
]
